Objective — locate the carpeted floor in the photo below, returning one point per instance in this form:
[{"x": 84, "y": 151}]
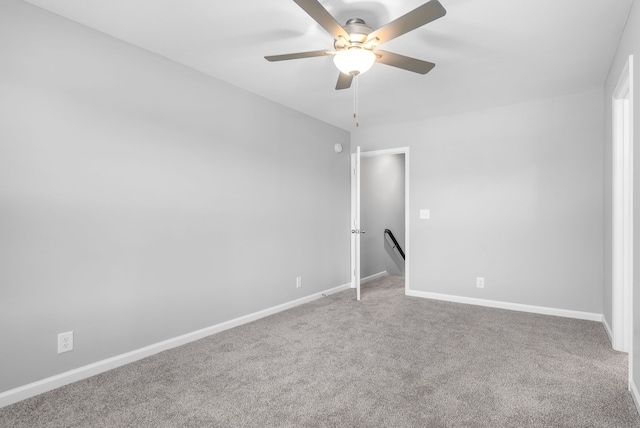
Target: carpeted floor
[{"x": 387, "y": 361}]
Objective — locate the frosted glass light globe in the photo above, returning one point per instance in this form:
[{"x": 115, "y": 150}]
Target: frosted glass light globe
[{"x": 354, "y": 60}]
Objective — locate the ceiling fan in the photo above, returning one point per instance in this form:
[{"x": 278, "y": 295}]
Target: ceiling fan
[{"x": 355, "y": 44}]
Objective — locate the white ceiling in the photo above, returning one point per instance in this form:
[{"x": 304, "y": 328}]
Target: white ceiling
[{"x": 487, "y": 52}]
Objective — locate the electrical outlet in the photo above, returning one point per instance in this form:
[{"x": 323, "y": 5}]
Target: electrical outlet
[
  {"x": 480, "y": 282},
  {"x": 65, "y": 342},
  {"x": 299, "y": 282}
]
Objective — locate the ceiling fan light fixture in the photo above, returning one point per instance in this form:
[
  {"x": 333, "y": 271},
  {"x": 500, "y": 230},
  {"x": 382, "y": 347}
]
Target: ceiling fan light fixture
[{"x": 354, "y": 60}]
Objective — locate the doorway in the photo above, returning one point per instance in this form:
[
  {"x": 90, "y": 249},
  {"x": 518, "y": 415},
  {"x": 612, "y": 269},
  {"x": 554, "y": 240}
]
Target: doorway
[{"x": 372, "y": 251}]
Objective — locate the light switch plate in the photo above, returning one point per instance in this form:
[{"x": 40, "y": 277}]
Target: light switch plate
[{"x": 425, "y": 214}]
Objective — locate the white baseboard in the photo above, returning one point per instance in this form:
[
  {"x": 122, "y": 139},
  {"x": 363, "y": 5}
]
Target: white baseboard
[
  {"x": 607, "y": 328},
  {"x": 53, "y": 382},
  {"x": 374, "y": 276},
  {"x": 506, "y": 305},
  {"x": 635, "y": 394}
]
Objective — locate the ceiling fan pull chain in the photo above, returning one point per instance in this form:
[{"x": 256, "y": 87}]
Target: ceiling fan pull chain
[
  {"x": 354, "y": 97},
  {"x": 355, "y": 100}
]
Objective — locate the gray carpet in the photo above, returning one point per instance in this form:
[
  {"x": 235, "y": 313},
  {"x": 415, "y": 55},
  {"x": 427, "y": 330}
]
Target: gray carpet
[{"x": 387, "y": 361}]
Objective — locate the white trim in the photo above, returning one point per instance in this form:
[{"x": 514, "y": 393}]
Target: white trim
[
  {"x": 407, "y": 220},
  {"x": 374, "y": 276},
  {"x": 622, "y": 211},
  {"x": 383, "y": 152},
  {"x": 622, "y": 217},
  {"x": 62, "y": 379},
  {"x": 630, "y": 296},
  {"x": 510, "y": 306}
]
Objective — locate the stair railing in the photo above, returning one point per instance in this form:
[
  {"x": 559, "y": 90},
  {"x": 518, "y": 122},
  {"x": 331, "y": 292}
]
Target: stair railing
[{"x": 393, "y": 242}]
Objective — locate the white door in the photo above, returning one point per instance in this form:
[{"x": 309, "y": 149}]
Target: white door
[{"x": 355, "y": 221}]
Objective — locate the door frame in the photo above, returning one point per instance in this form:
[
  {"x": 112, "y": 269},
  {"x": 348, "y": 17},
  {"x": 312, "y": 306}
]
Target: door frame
[
  {"x": 622, "y": 214},
  {"x": 355, "y": 264}
]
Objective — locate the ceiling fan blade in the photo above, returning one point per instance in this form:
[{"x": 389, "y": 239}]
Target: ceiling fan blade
[
  {"x": 416, "y": 18},
  {"x": 297, "y": 55},
  {"x": 404, "y": 62},
  {"x": 322, "y": 17},
  {"x": 344, "y": 81}
]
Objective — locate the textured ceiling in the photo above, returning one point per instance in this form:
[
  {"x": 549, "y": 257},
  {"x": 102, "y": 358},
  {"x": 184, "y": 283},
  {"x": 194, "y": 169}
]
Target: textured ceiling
[{"x": 487, "y": 52}]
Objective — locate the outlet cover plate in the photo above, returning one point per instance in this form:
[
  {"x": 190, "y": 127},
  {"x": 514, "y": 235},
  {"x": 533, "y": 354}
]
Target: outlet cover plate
[{"x": 65, "y": 342}]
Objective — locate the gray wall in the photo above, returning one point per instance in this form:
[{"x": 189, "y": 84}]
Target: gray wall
[
  {"x": 629, "y": 45},
  {"x": 515, "y": 195},
  {"x": 141, "y": 200},
  {"x": 381, "y": 207}
]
